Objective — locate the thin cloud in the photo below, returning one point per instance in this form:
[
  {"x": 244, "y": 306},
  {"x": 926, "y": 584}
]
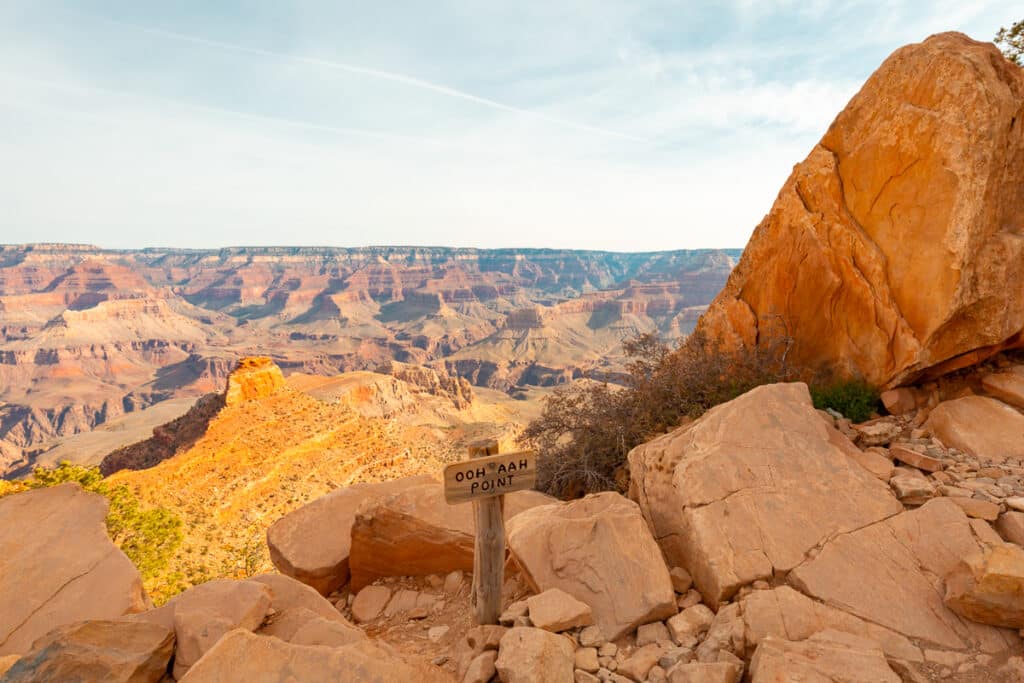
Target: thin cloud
[{"x": 394, "y": 77}]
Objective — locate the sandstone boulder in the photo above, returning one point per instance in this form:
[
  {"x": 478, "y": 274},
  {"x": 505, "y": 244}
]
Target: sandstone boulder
[
  {"x": 243, "y": 656},
  {"x": 599, "y": 550},
  {"x": 203, "y": 614},
  {"x": 312, "y": 543},
  {"x": 1008, "y": 387},
  {"x": 102, "y": 650},
  {"x": 914, "y": 182},
  {"x": 287, "y": 593},
  {"x": 889, "y": 573},
  {"x": 531, "y": 655},
  {"x": 988, "y": 586},
  {"x": 1010, "y": 526},
  {"x": 58, "y": 566},
  {"x": 825, "y": 656},
  {"x": 555, "y": 610},
  {"x": 699, "y": 672},
  {"x": 414, "y": 532},
  {"x": 748, "y": 489},
  {"x": 979, "y": 425}
]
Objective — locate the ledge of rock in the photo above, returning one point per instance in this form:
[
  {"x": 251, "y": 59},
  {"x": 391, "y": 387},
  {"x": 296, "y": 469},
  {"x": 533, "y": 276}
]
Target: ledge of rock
[
  {"x": 243, "y": 656},
  {"x": 58, "y": 566},
  {"x": 747, "y": 490},
  {"x": 979, "y": 425}
]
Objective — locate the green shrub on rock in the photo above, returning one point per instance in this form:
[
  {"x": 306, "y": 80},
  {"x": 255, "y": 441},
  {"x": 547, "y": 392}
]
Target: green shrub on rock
[
  {"x": 148, "y": 537},
  {"x": 855, "y": 399}
]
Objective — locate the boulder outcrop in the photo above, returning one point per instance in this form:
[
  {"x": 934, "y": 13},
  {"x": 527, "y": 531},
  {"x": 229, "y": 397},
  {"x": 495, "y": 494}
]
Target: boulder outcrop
[
  {"x": 825, "y": 656},
  {"x": 102, "y": 650},
  {"x": 988, "y": 586},
  {"x": 893, "y": 251},
  {"x": 979, "y": 425},
  {"x": 747, "y": 490},
  {"x": 414, "y": 532},
  {"x": 312, "y": 544},
  {"x": 599, "y": 550},
  {"x": 58, "y": 566}
]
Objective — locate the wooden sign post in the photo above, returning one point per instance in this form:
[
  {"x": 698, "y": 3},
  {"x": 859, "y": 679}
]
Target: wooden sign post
[{"x": 484, "y": 480}]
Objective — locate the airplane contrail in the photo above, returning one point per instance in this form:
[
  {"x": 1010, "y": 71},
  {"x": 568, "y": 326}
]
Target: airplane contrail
[
  {"x": 383, "y": 75},
  {"x": 219, "y": 111}
]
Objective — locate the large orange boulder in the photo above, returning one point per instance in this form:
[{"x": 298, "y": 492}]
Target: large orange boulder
[{"x": 894, "y": 250}]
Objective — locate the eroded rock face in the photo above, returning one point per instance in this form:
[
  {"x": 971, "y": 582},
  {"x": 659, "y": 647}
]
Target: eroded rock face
[
  {"x": 312, "y": 544},
  {"x": 414, "y": 532},
  {"x": 749, "y": 488},
  {"x": 58, "y": 566},
  {"x": 988, "y": 586},
  {"x": 102, "y": 650},
  {"x": 599, "y": 550},
  {"x": 255, "y": 377},
  {"x": 893, "y": 251},
  {"x": 890, "y": 574}
]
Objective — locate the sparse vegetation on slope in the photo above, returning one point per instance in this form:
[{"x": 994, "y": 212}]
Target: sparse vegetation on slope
[
  {"x": 586, "y": 430},
  {"x": 149, "y": 536}
]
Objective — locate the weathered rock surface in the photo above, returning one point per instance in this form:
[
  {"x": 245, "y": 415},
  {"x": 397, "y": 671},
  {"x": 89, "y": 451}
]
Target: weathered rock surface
[
  {"x": 243, "y": 656},
  {"x": 288, "y": 593},
  {"x": 988, "y": 586},
  {"x": 700, "y": 672},
  {"x": 749, "y": 488},
  {"x": 920, "y": 179},
  {"x": 531, "y": 655},
  {"x": 825, "y": 656},
  {"x": 203, "y": 614},
  {"x": 101, "y": 650},
  {"x": 599, "y": 550},
  {"x": 312, "y": 543},
  {"x": 414, "y": 532},
  {"x": 555, "y": 610},
  {"x": 254, "y": 377},
  {"x": 785, "y": 613},
  {"x": 1010, "y": 526},
  {"x": 890, "y": 574},
  {"x": 58, "y": 566},
  {"x": 1008, "y": 387},
  {"x": 979, "y": 425}
]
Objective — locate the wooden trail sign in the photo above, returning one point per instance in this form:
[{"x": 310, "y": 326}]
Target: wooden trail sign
[
  {"x": 488, "y": 476},
  {"x": 484, "y": 480}
]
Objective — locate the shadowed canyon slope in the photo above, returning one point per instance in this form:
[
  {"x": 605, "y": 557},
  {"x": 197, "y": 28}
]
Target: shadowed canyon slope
[
  {"x": 895, "y": 251},
  {"x": 87, "y": 335}
]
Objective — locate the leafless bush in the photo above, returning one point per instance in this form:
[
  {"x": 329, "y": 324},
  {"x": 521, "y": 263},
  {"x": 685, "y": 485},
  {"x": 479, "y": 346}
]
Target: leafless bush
[{"x": 586, "y": 430}]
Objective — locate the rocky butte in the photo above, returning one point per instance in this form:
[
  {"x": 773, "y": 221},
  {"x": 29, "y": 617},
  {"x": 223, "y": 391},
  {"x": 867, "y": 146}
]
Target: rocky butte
[{"x": 764, "y": 541}]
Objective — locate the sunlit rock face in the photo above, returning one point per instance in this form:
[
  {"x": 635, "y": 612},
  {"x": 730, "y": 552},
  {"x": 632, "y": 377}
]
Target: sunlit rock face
[{"x": 895, "y": 251}]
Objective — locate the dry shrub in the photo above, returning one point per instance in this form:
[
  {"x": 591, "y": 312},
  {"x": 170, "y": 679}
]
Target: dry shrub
[{"x": 586, "y": 430}]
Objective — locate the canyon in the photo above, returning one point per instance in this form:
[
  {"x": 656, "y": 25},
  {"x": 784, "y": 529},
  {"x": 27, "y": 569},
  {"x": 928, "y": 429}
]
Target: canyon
[{"x": 91, "y": 336}]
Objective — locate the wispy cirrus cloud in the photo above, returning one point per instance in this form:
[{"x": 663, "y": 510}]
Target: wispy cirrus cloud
[{"x": 590, "y": 123}]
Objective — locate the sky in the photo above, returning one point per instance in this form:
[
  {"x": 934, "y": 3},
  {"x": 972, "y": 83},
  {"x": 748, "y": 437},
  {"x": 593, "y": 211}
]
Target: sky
[{"x": 588, "y": 124}]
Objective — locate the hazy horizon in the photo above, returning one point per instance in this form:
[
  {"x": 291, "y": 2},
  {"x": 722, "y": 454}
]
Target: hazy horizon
[{"x": 606, "y": 125}]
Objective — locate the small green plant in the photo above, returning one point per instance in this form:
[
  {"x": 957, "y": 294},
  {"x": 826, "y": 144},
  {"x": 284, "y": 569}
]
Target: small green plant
[
  {"x": 148, "y": 537},
  {"x": 855, "y": 399}
]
